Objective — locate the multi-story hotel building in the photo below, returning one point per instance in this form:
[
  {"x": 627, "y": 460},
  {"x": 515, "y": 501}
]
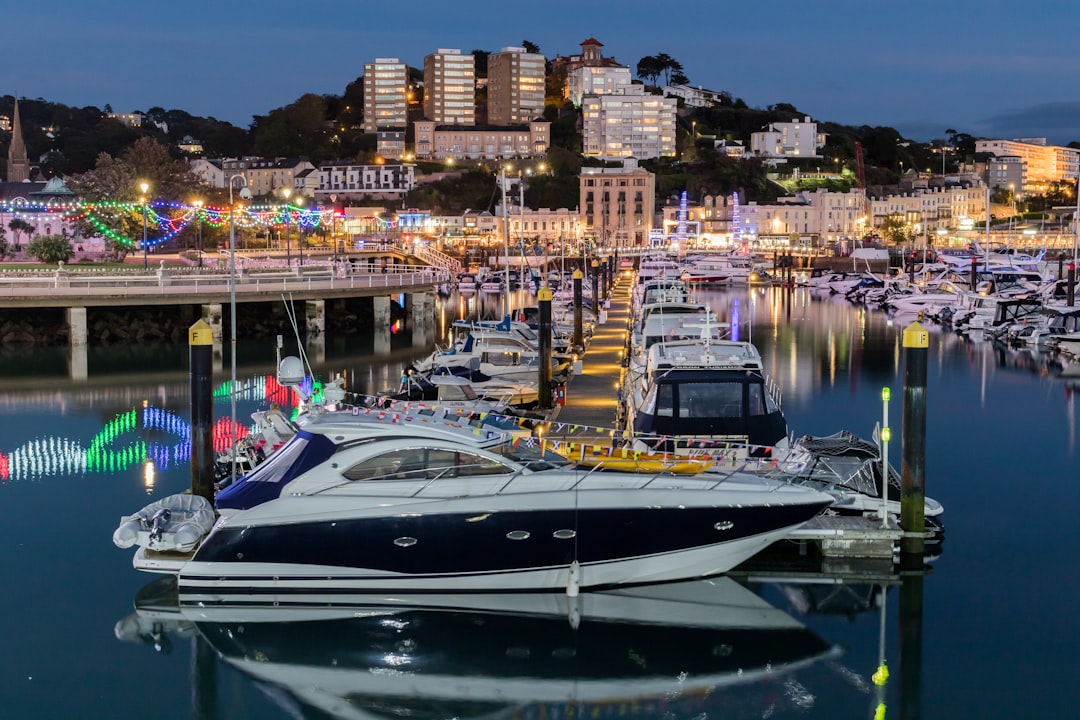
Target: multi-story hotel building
[
  {"x": 790, "y": 139},
  {"x": 1042, "y": 163},
  {"x": 515, "y": 86},
  {"x": 597, "y": 80},
  {"x": 264, "y": 176},
  {"x": 345, "y": 180},
  {"x": 590, "y": 56},
  {"x": 386, "y": 85},
  {"x": 450, "y": 87},
  {"x": 616, "y": 205},
  {"x": 628, "y": 124},
  {"x": 435, "y": 142}
]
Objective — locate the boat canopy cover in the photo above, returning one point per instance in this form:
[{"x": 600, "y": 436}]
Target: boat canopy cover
[
  {"x": 843, "y": 443},
  {"x": 303, "y": 452}
]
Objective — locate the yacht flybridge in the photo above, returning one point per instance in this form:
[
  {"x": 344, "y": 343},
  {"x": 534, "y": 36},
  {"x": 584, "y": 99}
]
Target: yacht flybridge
[
  {"x": 704, "y": 391},
  {"x": 360, "y": 506}
]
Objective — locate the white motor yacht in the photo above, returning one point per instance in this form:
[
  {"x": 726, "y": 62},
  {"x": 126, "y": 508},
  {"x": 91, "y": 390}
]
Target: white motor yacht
[{"x": 363, "y": 506}]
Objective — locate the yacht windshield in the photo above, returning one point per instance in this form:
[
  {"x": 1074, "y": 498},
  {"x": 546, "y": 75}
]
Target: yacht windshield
[{"x": 531, "y": 457}]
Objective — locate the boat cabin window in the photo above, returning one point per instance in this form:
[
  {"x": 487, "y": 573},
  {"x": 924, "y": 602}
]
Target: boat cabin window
[
  {"x": 503, "y": 359},
  {"x": 424, "y": 464},
  {"x": 456, "y": 393}
]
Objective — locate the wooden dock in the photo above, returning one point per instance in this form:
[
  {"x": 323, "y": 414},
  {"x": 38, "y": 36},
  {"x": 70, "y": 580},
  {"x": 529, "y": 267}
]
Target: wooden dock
[{"x": 589, "y": 415}]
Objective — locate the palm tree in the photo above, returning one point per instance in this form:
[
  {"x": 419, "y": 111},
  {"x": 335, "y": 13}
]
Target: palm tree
[{"x": 20, "y": 226}]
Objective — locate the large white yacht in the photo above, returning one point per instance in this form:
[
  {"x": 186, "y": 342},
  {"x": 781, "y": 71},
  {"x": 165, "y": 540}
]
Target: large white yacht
[{"x": 355, "y": 506}]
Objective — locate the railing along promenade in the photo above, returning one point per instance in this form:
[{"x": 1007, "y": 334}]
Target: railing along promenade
[{"x": 67, "y": 288}]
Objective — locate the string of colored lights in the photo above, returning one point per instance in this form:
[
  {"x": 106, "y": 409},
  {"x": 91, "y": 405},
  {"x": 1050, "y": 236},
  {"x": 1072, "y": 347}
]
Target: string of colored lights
[
  {"x": 153, "y": 435},
  {"x": 168, "y": 219}
]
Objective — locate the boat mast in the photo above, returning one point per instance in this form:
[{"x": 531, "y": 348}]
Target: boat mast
[{"x": 506, "y": 241}]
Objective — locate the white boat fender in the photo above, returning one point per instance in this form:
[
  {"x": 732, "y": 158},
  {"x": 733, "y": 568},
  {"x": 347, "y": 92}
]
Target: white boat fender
[{"x": 573, "y": 583}]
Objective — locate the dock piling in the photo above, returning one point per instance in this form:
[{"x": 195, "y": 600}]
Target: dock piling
[
  {"x": 201, "y": 360},
  {"x": 544, "y": 300},
  {"x": 579, "y": 336},
  {"x": 916, "y": 341}
]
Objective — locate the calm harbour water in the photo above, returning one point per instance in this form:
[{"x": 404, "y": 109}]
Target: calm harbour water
[{"x": 998, "y": 632}]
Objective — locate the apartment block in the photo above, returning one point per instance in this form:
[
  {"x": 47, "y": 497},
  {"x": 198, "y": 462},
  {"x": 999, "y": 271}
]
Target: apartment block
[
  {"x": 450, "y": 87},
  {"x": 788, "y": 139},
  {"x": 631, "y": 123},
  {"x": 515, "y": 86},
  {"x": 442, "y": 142},
  {"x": 1042, "y": 163},
  {"x": 597, "y": 80},
  {"x": 350, "y": 181},
  {"x": 386, "y": 87},
  {"x": 616, "y": 205}
]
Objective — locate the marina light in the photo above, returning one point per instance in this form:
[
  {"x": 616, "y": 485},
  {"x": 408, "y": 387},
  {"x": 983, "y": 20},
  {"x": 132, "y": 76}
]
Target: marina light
[{"x": 886, "y": 393}]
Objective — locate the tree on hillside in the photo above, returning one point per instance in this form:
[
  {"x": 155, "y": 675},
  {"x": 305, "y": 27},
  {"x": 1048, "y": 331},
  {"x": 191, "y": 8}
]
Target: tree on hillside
[
  {"x": 118, "y": 180},
  {"x": 649, "y": 68},
  {"x": 530, "y": 47},
  {"x": 298, "y": 129}
]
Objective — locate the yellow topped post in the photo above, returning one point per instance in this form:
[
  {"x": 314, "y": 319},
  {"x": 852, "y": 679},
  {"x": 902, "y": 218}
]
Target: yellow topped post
[
  {"x": 916, "y": 340},
  {"x": 201, "y": 360}
]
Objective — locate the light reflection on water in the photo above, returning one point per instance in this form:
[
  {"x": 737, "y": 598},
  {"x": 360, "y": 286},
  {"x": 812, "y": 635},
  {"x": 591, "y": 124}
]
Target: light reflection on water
[{"x": 1001, "y": 434}]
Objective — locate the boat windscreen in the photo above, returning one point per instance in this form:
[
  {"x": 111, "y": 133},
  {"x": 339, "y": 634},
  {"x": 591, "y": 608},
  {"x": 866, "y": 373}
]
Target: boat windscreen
[{"x": 303, "y": 452}]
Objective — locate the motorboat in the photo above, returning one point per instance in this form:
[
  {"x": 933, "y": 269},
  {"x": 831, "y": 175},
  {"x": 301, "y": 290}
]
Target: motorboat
[
  {"x": 689, "y": 649},
  {"x": 449, "y": 391},
  {"x": 459, "y": 387},
  {"x": 496, "y": 353},
  {"x": 705, "y": 392},
  {"x": 399, "y": 507}
]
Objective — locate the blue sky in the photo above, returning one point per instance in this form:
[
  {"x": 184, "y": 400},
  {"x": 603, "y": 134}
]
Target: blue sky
[{"x": 989, "y": 68}]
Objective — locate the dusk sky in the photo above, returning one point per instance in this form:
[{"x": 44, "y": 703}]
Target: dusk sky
[{"x": 988, "y": 68}]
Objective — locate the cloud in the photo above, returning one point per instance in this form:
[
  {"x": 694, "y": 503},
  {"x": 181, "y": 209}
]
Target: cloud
[{"x": 1056, "y": 121}]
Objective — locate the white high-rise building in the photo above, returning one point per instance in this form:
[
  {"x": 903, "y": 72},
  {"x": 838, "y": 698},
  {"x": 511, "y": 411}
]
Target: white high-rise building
[
  {"x": 515, "y": 86},
  {"x": 631, "y": 123},
  {"x": 597, "y": 80},
  {"x": 386, "y": 86},
  {"x": 450, "y": 87}
]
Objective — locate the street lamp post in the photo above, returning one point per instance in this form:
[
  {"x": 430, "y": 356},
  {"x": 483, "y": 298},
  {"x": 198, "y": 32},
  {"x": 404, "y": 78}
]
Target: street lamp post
[
  {"x": 198, "y": 229},
  {"x": 506, "y": 239},
  {"x": 145, "y": 188},
  {"x": 244, "y": 193},
  {"x": 288, "y": 251},
  {"x": 333, "y": 224},
  {"x": 299, "y": 230}
]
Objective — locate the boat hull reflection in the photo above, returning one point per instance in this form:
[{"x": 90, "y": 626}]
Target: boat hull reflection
[{"x": 649, "y": 649}]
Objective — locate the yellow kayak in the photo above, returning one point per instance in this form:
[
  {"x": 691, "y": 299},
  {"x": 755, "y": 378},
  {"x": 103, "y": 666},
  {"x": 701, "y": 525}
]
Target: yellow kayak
[{"x": 627, "y": 460}]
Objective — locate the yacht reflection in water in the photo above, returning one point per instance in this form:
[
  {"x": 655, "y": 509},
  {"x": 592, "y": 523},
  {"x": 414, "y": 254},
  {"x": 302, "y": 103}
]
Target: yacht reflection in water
[{"x": 678, "y": 650}]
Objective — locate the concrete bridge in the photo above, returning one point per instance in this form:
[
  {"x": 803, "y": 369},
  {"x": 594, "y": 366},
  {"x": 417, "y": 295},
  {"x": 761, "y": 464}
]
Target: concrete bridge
[{"x": 76, "y": 290}]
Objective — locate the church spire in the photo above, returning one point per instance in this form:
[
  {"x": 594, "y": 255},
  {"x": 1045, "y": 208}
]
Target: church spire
[{"x": 18, "y": 167}]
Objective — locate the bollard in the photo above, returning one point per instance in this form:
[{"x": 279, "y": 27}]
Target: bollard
[
  {"x": 201, "y": 360},
  {"x": 974, "y": 272},
  {"x": 544, "y": 396},
  {"x": 916, "y": 341},
  {"x": 579, "y": 336}
]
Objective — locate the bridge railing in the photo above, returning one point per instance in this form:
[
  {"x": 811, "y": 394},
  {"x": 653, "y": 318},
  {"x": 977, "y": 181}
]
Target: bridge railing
[{"x": 340, "y": 277}]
